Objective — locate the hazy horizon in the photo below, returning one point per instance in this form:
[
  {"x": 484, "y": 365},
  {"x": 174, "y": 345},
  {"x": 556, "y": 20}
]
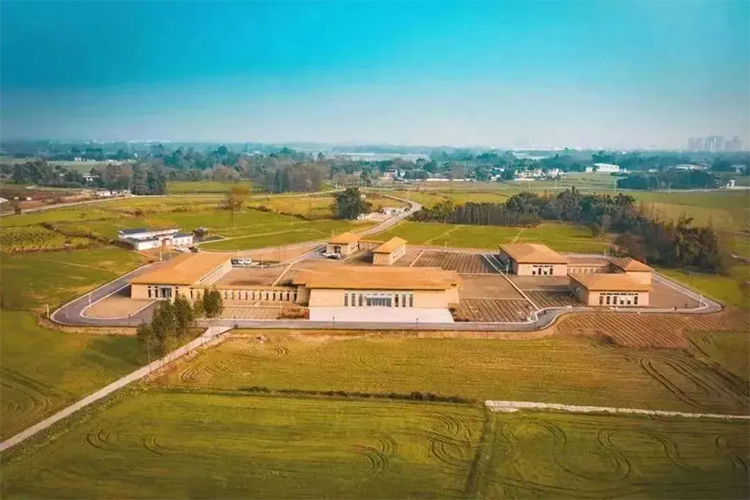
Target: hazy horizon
[{"x": 507, "y": 75}]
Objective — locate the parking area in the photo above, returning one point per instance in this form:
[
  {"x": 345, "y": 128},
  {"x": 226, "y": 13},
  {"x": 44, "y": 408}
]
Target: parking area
[
  {"x": 666, "y": 297},
  {"x": 463, "y": 263},
  {"x": 492, "y": 310},
  {"x": 118, "y": 305}
]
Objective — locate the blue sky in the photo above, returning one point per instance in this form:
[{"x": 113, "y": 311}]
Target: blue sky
[{"x": 490, "y": 73}]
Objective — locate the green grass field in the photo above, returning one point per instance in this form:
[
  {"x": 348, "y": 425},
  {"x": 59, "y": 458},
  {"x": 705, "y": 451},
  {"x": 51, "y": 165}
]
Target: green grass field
[
  {"x": 729, "y": 289},
  {"x": 559, "y": 236},
  {"x": 45, "y": 370},
  {"x": 32, "y": 280},
  {"x": 556, "y": 370},
  {"x": 193, "y": 187},
  {"x": 224, "y": 445}
]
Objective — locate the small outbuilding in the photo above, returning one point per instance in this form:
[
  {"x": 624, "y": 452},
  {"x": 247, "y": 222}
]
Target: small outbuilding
[
  {"x": 532, "y": 259},
  {"x": 344, "y": 244},
  {"x": 179, "y": 275},
  {"x": 602, "y": 289},
  {"x": 633, "y": 268},
  {"x": 389, "y": 252}
]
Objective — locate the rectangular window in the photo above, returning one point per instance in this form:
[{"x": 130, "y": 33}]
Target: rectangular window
[
  {"x": 411, "y": 300},
  {"x": 346, "y": 299},
  {"x": 608, "y": 299},
  {"x": 396, "y": 300},
  {"x": 149, "y": 292},
  {"x": 601, "y": 299},
  {"x": 635, "y": 300},
  {"x": 360, "y": 300},
  {"x": 191, "y": 293}
]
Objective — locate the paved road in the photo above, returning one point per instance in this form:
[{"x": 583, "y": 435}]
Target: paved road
[
  {"x": 514, "y": 406},
  {"x": 72, "y": 312},
  {"x": 210, "y": 334}
]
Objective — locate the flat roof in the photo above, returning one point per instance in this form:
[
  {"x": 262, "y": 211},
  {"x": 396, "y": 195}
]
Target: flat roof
[
  {"x": 185, "y": 269},
  {"x": 630, "y": 265},
  {"x": 390, "y": 245},
  {"x": 139, "y": 230},
  {"x": 377, "y": 278},
  {"x": 605, "y": 282},
  {"x": 533, "y": 253},
  {"x": 344, "y": 239}
]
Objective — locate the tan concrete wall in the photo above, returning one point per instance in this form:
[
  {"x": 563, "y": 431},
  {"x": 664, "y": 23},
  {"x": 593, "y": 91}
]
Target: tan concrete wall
[
  {"x": 326, "y": 298},
  {"x": 138, "y": 291},
  {"x": 382, "y": 259}
]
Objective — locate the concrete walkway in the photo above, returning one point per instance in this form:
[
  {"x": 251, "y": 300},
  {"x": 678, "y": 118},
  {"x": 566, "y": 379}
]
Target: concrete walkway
[
  {"x": 514, "y": 406},
  {"x": 210, "y": 334}
]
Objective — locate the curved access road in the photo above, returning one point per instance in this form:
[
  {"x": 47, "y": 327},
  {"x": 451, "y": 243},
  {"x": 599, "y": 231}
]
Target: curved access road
[{"x": 73, "y": 313}]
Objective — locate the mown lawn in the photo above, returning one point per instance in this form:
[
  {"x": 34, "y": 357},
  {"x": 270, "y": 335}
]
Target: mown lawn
[
  {"x": 559, "y": 236},
  {"x": 193, "y": 187},
  {"x": 558, "y": 370},
  {"x": 162, "y": 444}
]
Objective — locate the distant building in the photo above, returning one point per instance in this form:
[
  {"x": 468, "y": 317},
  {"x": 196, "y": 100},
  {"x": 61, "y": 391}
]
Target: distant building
[
  {"x": 687, "y": 166},
  {"x": 146, "y": 239},
  {"x": 696, "y": 144},
  {"x": 714, "y": 143},
  {"x": 604, "y": 168},
  {"x": 734, "y": 145},
  {"x": 600, "y": 289}
]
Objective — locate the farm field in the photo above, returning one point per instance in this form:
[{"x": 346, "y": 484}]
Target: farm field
[
  {"x": 584, "y": 366},
  {"x": 201, "y": 444},
  {"x": 192, "y": 187},
  {"x": 317, "y": 206},
  {"x": 45, "y": 370},
  {"x": 173, "y": 445},
  {"x": 559, "y": 236},
  {"x": 100, "y": 222}
]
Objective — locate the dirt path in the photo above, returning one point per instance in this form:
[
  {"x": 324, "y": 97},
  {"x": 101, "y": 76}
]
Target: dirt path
[
  {"x": 210, "y": 334},
  {"x": 515, "y": 238},
  {"x": 513, "y": 406},
  {"x": 449, "y": 231}
]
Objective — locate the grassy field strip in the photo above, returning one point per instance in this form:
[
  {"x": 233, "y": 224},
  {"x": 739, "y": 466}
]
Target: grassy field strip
[
  {"x": 513, "y": 406},
  {"x": 515, "y": 238},
  {"x": 212, "y": 334},
  {"x": 449, "y": 231}
]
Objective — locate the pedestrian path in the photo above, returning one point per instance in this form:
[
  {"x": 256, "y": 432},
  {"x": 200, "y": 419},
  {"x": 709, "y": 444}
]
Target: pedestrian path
[
  {"x": 210, "y": 334},
  {"x": 513, "y": 406}
]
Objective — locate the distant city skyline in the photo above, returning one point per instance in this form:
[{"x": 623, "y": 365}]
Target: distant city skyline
[{"x": 615, "y": 75}]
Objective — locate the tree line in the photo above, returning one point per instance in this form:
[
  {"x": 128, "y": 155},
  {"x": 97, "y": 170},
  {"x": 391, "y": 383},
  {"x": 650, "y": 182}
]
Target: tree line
[
  {"x": 670, "y": 179},
  {"x": 172, "y": 322},
  {"x": 672, "y": 244}
]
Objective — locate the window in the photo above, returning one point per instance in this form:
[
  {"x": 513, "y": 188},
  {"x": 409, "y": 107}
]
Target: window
[
  {"x": 403, "y": 300},
  {"x": 411, "y": 300},
  {"x": 360, "y": 300},
  {"x": 149, "y": 292},
  {"x": 346, "y": 299},
  {"x": 601, "y": 299},
  {"x": 191, "y": 293},
  {"x": 396, "y": 300},
  {"x": 635, "y": 300},
  {"x": 608, "y": 299}
]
